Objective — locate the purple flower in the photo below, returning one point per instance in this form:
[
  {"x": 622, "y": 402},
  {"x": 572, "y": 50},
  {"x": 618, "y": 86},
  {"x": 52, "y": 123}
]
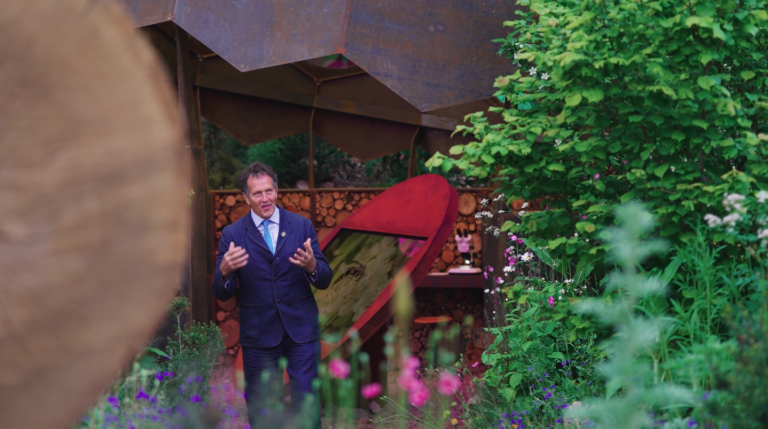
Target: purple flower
[
  {"x": 142, "y": 395},
  {"x": 194, "y": 399},
  {"x": 168, "y": 374},
  {"x": 198, "y": 379},
  {"x": 113, "y": 401},
  {"x": 548, "y": 395},
  {"x": 159, "y": 376},
  {"x": 705, "y": 396},
  {"x": 691, "y": 423}
]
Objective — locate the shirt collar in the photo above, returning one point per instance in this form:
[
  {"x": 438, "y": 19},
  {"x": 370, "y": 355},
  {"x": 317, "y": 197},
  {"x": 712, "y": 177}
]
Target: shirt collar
[{"x": 274, "y": 218}]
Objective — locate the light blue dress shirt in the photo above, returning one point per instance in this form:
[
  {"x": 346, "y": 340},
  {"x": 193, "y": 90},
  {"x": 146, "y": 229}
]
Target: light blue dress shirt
[{"x": 274, "y": 225}]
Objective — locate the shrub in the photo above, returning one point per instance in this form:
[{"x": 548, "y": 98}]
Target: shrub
[{"x": 659, "y": 101}]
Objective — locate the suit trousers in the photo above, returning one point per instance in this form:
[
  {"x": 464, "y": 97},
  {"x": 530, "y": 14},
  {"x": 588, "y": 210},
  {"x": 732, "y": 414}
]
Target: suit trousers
[{"x": 264, "y": 382}]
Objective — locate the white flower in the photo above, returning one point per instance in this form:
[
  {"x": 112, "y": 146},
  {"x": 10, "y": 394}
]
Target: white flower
[
  {"x": 733, "y": 202},
  {"x": 558, "y": 142},
  {"x": 712, "y": 220},
  {"x": 521, "y": 213},
  {"x": 575, "y": 234},
  {"x": 562, "y": 290},
  {"x": 525, "y": 204},
  {"x": 545, "y": 76},
  {"x": 515, "y": 55},
  {"x": 483, "y": 202},
  {"x": 762, "y": 233},
  {"x": 500, "y": 196},
  {"x": 508, "y": 269},
  {"x": 487, "y": 290},
  {"x": 527, "y": 256},
  {"x": 731, "y": 219},
  {"x": 762, "y": 196},
  {"x": 568, "y": 281},
  {"x": 672, "y": 168},
  {"x": 532, "y": 71}
]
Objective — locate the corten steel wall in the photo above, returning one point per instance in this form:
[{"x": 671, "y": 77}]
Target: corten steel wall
[{"x": 328, "y": 208}]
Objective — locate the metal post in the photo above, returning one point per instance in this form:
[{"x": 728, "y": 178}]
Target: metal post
[{"x": 196, "y": 287}]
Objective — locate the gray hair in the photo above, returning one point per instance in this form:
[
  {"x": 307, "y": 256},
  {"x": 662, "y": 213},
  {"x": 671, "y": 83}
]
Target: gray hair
[{"x": 256, "y": 169}]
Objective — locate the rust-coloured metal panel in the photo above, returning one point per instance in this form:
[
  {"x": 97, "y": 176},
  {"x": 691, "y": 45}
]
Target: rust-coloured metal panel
[
  {"x": 365, "y": 89},
  {"x": 281, "y": 83},
  {"x": 322, "y": 73},
  {"x": 256, "y": 34},
  {"x": 253, "y": 120},
  {"x": 433, "y": 140},
  {"x": 433, "y": 54},
  {"x": 364, "y": 138},
  {"x": 148, "y": 12}
]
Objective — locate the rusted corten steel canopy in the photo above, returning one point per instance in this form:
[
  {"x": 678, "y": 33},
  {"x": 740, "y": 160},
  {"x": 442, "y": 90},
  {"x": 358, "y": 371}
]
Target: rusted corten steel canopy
[
  {"x": 432, "y": 54},
  {"x": 344, "y": 106}
]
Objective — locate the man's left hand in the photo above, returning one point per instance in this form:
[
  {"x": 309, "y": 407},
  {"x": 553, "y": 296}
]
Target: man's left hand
[{"x": 305, "y": 258}]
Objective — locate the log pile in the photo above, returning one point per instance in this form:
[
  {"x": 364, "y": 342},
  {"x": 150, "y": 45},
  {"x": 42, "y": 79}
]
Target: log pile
[
  {"x": 455, "y": 303},
  {"x": 469, "y": 205},
  {"x": 333, "y": 207},
  {"x": 328, "y": 210}
]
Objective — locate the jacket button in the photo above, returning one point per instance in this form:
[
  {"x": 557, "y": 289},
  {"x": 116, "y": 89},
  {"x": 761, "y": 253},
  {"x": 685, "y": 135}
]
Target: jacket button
[
  {"x": 279, "y": 301},
  {"x": 275, "y": 278}
]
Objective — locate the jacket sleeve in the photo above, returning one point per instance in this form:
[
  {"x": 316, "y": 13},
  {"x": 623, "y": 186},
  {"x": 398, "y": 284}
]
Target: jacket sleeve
[
  {"x": 324, "y": 274},
  {"x": 224, "y": 290}
]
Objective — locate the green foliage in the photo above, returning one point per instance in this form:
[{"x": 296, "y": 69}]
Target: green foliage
[
  {"x": 539, "y": 340},
  {"x": 641, "y": 394},
  {"x": 742, "y": 386},
  {"x": 164, "y": 388},
  {"x": 658, "y": 101}
]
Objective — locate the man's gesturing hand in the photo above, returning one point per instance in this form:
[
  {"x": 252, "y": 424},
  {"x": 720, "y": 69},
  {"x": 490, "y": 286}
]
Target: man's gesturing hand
[
  {"x": 233, "y": 260},
  {"x": 305, "y": 258}
]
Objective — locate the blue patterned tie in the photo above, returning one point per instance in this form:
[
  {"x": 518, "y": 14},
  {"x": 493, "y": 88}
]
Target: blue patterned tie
[{"x": 268, "y": 236}]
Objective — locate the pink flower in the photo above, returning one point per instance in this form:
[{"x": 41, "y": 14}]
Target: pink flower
[
  {"x": 513, "y": 237},
  {"x": 338, "y": 369},
  {"x": 411, "y": 363},
  {"x": 371, "y": 391},
  {"x": 520, "y": 241},
  {"x": 407, "y": 381},
  {"x": 474, "y": 365},
  {"x": 485, "y": 274},
  {"x": 419, "y": 395},
  {"x": 490, "y": 269},
  {"x": 597, "y": 176},
  {"x": 499, "y": 280},
  {"x": 583, "y": 216},
  {"x": 512, "y": 261},
  {"x": 551, "y": 301},
  {"x": 448, "y": 383}
]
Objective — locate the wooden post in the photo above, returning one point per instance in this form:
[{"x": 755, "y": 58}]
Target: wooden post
[{"x": 196, "y": 288}]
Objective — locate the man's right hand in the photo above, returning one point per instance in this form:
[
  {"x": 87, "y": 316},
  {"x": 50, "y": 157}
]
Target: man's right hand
[{"x": 233, "y": 260}]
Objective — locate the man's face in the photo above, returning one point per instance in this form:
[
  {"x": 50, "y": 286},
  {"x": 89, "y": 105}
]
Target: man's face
[{"x": 261, "y": 195}]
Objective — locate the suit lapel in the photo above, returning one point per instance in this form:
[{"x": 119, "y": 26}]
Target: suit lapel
[
  {"x": 253, "y": 232},
  {"x": 285, "y": 230}
]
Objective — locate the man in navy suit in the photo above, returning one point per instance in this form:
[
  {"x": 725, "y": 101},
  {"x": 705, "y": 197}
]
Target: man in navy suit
[{"x": 273, "y": 256}]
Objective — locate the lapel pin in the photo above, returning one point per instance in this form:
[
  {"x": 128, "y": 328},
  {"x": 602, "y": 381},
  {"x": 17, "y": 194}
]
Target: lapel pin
[{"x": 283, "y": 234}]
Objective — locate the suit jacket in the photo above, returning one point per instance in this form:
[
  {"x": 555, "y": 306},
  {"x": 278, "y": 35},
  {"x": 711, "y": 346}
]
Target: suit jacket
[{"x": 275, "y": 295}]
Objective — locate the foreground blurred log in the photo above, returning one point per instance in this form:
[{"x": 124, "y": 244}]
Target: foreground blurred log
[{"x": 89, "y": 130}]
